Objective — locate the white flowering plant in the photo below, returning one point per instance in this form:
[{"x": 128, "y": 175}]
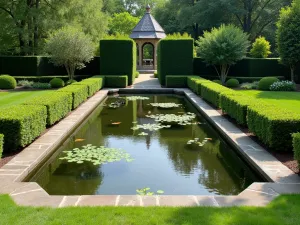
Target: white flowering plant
[{"x": 283, "y": 86}]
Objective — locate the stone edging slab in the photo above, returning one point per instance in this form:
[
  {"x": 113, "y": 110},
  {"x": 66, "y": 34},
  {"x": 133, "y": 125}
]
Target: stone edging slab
[{"x": 258, "y": 194}]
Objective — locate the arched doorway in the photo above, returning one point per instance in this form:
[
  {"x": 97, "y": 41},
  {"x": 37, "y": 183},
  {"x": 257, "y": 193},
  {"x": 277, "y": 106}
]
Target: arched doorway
[{"x": 148, "y": 56}]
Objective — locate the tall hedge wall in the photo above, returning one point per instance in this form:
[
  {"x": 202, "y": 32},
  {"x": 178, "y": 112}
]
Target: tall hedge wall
[
  {"x": 118, "y": 57},
  {"x": 174, "y": 57},
  {"x": 248, "y": 67},
  {"x": 41, "y": 66}
]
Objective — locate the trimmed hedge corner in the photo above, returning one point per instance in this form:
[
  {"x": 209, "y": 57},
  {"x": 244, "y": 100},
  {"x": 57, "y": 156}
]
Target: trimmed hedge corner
[
  {"x": 79, "y": 93},
  {"x": 174, "y": 57},
  {"x": 211, "y": 92},
  {"x": 118, "y": 57},
  {"x": 21, "y": 125},
  {"x": 116, "y": 81},
  {"x": 1, "y": 144},
  {"x": 176, "y": 81},
  {"x": 273, "y": 125},
  {"x": 92, "y": 85},
  {"x": 296, "y": 145},
  {"x": 58, "y": 105}
]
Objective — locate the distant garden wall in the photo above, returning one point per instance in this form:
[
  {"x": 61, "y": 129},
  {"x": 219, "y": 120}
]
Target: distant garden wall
[
  {"x": 249, "y": 67},
  {"x": 41, "y": 66}
]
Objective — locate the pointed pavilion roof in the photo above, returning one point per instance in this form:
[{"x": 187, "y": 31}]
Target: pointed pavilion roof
[{"x": 148, "y": 27}]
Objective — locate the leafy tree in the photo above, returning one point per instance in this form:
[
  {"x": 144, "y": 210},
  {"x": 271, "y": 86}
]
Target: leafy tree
[
  {"x": 223, "y": 47},
  {"x": 288, "y": 36},
  {"x": 71, "y": 48},
  {"x": 122, "y": 23},
  {"x": 260, "y": 48}
]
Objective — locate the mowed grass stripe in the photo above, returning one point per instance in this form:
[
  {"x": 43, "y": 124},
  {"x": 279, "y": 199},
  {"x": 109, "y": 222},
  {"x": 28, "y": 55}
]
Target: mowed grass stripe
[{"x": 18, "y": 97}]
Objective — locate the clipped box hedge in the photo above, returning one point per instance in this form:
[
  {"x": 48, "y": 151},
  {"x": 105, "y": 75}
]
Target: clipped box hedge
[
  {"x": 273, "y": 125},
  {"x": 21, "y": 125},
  {"x": 174, "y": 57},
  {"x": 195, "y": 84},
  {"x": 1, "y": 144},
  {"x": 296, "y": 146},
  {"x": 58, "y": 105},
  {"x": 176, "y": 81},
  {"x": 211, "y": 92},
  {"x": 100, "y": 79},
  {"x": 47, "y": 79},
  {"x": 118, "y": 57},
  {"x": 116, "y": 81},
  {"x": 79, "y": 94},
  {"x": 92, "y": 86}
]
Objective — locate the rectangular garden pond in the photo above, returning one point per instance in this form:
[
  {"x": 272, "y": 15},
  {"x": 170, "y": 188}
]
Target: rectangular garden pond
[{"x": 179, "y": 154}]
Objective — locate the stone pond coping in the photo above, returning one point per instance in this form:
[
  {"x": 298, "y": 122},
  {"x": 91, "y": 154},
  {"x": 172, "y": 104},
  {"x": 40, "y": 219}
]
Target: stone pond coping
[{"x": 282, "y": 180}]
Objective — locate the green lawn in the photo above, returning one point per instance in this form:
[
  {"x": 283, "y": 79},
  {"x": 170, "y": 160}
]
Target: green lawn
[
  {"x": 288, "y": 100},
  {"x": 17, "y": 97},
  {"x": 283, "y": 210}
]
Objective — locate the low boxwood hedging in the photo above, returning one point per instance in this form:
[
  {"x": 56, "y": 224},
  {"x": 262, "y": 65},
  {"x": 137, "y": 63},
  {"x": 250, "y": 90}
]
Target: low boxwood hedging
[
  {"x": 58, "y": 105},
  {"x": 57, "y": 83},
  {"x": 21, "y": 125},
  {"x": 236, "y": 105},
  {"x": 92, "y": 85},
  {"x": 116, "y": 81},
  {"x": 273, "y": 125},
  {"x": 296, "y": 146},
  {"x": 176, "y": 81},
  {"x": 240, "y": 79},
  {"x": 1, "y": 144},
  {"x": 79, "y": 93},
  {"x": 211, "y": 91},
  {"x": 195, "y": 83},
  {"x": 100, "y": 79}
]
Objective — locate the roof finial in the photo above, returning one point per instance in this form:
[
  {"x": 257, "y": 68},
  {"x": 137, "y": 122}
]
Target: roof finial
[{"x": 148, "y": 8}]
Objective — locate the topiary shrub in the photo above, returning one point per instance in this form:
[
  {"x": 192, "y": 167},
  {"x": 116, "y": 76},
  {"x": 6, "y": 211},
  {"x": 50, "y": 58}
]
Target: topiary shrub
[
  {"x": 260, "y": 48},
  {"x": 155, "y": 75},
  {"x": 7, "y": 82},
  {"x": 296, "y": 147},
  {"x": 232, "y": 83},
  {"x": 57, "y": 83},
  {"x": 283, "y": 86},
  {"x": 1, "y": 144},
  {"x": 137, "y": 74},
  {"x": 265, "y": 83}
]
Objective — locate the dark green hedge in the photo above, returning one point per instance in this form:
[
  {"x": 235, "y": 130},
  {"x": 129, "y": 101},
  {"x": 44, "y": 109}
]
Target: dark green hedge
[
  {"x": 116, "y": 81},
  {"x": 248, "y": 67},
  {"x": 118, "y": 57},
  {"x": 211, "y": 92},
  {"x": 176, "y": 81},
  {"x": 58, "y": 105},
  {"x": 174, "y": 57},
  {"x": 273, "y": 125},
  {"x": 296, "y": 146},
  {"x": 41, "y": 66},
  {"x": 21, "y": 125},
  {"x": 240, "y": 79},
  {"x": 79, "y": 93},
  {"x": 1, "y": 144}
]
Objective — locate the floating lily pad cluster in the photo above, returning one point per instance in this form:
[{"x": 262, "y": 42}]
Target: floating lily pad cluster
[
  {"x": 185, "y": 119},
  {"x": 150, "y": 127},
  {"x": 165, "y": 105},
  {"x": 96, "y": 155},
  {"x": 133, "y": 98},
  {"x": 146, "y": 191},
  {"x": 197, "y": 142},
  {"x": 117, "y": 104}
]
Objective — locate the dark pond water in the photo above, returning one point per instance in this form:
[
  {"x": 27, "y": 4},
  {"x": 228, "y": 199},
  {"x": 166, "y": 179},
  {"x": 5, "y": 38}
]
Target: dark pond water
[{"x": 162, "y": 160}]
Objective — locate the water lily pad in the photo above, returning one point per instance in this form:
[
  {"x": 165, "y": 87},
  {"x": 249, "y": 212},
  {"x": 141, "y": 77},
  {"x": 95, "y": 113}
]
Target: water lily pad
[
  {"x": 133, "y": 98},
  {"x": 165, "y": 105}
]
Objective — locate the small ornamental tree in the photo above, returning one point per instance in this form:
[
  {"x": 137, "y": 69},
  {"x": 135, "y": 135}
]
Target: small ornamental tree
[
  {"x": 222, "y": 48},
  {"x": 288, "y": 36},
  {"x": 70, "y": 48},
  {"x": 260, "y": 48}
]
